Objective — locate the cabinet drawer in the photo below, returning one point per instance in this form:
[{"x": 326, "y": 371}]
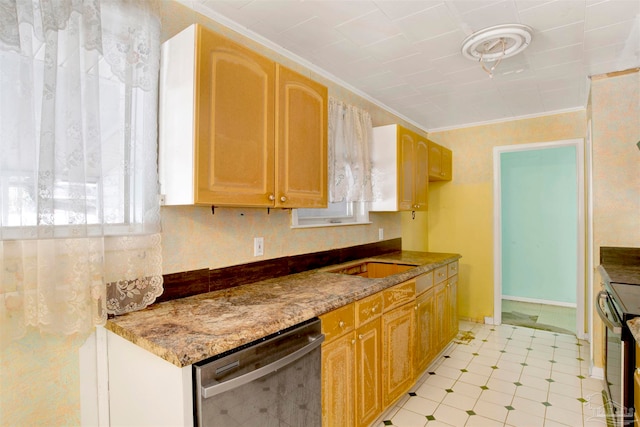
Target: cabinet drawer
[
  {"x": 368, "y": 308},
  {"x": 337, "y": 322},
  {"x": 452, "y": 268},
  {"x": 399, "y": 294},
  {"x": 440, "y": 275},
  {"x": 424, "y": 282}
]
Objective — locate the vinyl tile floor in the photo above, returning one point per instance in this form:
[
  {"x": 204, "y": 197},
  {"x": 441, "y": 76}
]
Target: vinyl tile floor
[
  {"x": 545, "y": 315},
  {"x": 504, "y": 376}
]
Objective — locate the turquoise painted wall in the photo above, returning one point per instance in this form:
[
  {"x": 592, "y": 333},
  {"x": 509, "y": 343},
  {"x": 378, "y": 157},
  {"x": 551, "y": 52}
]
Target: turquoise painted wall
[{"x": 539, "y": 224}]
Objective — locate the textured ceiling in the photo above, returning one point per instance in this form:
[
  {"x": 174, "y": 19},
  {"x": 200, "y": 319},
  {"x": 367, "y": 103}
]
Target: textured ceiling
[{"x": 406, "y": 54}]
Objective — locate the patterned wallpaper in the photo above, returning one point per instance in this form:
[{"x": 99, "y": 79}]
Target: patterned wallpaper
[
  {"x": 615, "y": 124},
  {"x": 614, "y": 108},
  {"x": 193, "y": 238}
]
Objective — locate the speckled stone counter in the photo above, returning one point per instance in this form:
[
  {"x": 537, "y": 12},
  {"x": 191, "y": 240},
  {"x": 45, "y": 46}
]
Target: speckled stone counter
[
  {"x": 188, "y": 330},
  {"x": 634, "y": 327}
]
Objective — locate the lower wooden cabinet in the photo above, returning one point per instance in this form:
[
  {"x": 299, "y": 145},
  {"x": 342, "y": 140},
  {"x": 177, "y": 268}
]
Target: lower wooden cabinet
[
  {"x": 376, "y": 348},
  {"x": 368, "y": 373},
  {"x": 397, "y": 352},
  {"x": 636, "y": 396},
  {"x": 452, "y": 307},
  {"x": 338, "y": 381},
  {"x": 338, "y": 359},
  {"x": 424, "y": 336},
  {"x": 441, "y": 324}
]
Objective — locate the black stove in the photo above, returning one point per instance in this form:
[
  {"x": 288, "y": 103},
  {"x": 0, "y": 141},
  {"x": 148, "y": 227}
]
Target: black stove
[{"x": 618, "y": 302}]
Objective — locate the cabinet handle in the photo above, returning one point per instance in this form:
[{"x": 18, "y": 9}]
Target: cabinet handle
[
  {"x": 353, "y": 341},
  {"x": 283, "y": 199},
  {"x": 341, "y": 324},
  {"x": 272, "y": 197},
  {"x": 373, "y": 310},
  {"x": 360, "y": 336}
]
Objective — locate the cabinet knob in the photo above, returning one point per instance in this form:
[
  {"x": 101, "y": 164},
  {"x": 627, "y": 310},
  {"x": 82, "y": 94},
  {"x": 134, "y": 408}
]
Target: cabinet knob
[
  {"x": 442, "y": 173},
  {"x": 341, "y": 324},
  {"x": 272, "y": 197},
  {"x": 373, "y": 310},
  {"x": 353, "y": 341},
  {"x": 283, "y": 199},
  {"x": 360, "y": 336}
]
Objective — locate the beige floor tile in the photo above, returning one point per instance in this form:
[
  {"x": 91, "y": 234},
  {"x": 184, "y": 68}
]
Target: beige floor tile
[
  {"x": 406, "y": 418},
  {"x": 491, "y": 410},
  {"x": 511, "y": 394},
  {"x": 451, "y": 415},
  {"x": 517, "y": 418}
]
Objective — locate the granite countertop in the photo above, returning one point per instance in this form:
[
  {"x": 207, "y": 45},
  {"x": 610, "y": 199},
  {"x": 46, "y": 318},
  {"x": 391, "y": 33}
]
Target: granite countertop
[
  {"x": 634, "y": 327},
  {"x": 188, "y": 330},
  {"x": 620, "y": 273}
]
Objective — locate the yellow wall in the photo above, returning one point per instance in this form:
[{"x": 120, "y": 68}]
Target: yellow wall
[
  {"x": 461, "y": 211},
  {"x": 615, "y": 124}
]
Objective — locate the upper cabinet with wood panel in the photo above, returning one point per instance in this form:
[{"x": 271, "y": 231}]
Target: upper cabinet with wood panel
[
  {"x": 237, "y": 129},
  {"x": 400, "y": 169},
  {"x": 440, "y": 163},
  {"x": 301, "y": 150}
]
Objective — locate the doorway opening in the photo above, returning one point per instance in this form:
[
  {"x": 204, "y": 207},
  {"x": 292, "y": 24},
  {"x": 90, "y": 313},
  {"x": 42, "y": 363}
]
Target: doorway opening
[{"x": 539, "y": 236}]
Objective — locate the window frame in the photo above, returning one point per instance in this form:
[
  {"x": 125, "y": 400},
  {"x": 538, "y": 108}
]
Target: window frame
[{"x": 355, "y": 213}]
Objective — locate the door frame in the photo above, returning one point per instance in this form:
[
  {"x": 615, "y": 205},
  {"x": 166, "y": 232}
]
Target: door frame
[{"x": 582, "y": 331}]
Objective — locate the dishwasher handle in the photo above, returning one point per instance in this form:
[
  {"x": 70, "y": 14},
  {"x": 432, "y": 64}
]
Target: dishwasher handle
[
  {"x": 217, "y": 387},
  {"x": 615, "y": 328}
]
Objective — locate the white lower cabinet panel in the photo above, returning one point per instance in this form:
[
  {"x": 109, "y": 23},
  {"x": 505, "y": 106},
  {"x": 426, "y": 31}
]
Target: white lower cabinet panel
[{"x": 145, "y": 390}]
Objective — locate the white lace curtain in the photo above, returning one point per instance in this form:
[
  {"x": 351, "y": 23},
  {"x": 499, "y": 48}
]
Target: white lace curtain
[
  {"x": 79, "y": 211},
  {"x": 350, "y": 140}
]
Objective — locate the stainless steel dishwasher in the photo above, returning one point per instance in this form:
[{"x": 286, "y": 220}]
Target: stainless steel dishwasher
[{"x": 272, "y": 382}]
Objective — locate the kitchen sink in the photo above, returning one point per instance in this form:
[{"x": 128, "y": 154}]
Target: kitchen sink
[{"x": 372, "y": 270}]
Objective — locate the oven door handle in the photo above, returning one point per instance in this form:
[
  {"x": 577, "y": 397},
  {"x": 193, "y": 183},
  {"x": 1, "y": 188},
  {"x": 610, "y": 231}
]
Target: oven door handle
[
  {"x": 220, "y": 387},
  {"x": 615, "y": 328}
]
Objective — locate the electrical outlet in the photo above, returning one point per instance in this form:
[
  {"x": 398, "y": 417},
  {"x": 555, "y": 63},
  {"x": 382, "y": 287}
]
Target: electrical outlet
[
  {"x": 258, "y": 246},
  {"x": 380, "y": 233}
]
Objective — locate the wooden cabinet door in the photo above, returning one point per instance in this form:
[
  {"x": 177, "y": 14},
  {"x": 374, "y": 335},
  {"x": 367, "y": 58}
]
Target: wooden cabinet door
[
  {"x": 397, "y": 349},
  {"x": 301, "y": 148},
  {"x": 421, "y": 178},
  {"x": 440, "y": 163},
  {"x": 338, "y": 381},
  {"x": 406, "y": 169},
  {"x": 440, "y": 309},
  {"x": 368, "y": 373},
  {"x": 452, "y": 304},
  {"x": 446, "y": 167},
  {"x": 234, "y": 129},
  {"x": 435, "y": 160},
  {"x": 425, "y": 329}
]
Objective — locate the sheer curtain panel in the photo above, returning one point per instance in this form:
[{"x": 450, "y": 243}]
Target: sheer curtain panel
[
  {"x": 350, "y": 139},
  {"x": 79, "y": 211}
]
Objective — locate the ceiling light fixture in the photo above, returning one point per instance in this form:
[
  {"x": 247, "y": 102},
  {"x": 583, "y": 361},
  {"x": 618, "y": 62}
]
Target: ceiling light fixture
[{"x": 493, "y": 44}]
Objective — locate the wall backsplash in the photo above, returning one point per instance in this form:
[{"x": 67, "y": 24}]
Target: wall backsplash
[{"x": 194, "y": 238}]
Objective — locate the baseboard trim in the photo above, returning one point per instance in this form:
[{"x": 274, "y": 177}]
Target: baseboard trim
[{"x": 539, "y": 301}]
